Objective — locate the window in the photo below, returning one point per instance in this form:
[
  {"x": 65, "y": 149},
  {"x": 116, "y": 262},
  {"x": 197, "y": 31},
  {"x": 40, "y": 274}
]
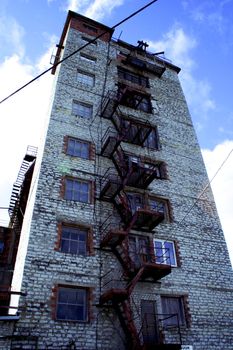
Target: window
[
  {"x": 135, "y": 201},
  {"x": 135, "y": 100},
  {"x": 152, "y": 140},
  {"x": 72, "y": 304},
  {"x": 159, "y": 205},
  {"x": 85, "y": 78},
  {"x": 87, "y": 58},
  {"x": 139, "y": 249},
  {"x": 165, "y": 252},
  {"x": 174, "y": 307},
  {"x": 77, "y": 190},
  {"x": 82, "y": 109},
  {"x": 88, "y": 40},
  {"x": 74, "y": 240},
  {"x": 133, "y": 77},
  {"x": 78, "y": 148}
]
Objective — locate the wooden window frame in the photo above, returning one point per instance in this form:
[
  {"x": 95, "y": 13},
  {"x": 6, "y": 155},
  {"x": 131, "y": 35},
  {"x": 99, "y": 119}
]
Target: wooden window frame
[
  {"x": 82, "y": 113},
  {"x": 74, "y": 151},
  {"x": 165, "y": 257},
  {"x": 183, "y": 311},
  {"x": 132, "y": 77},
  {"x": 82, "y": 181},
  {"x": 85, "y": 78},
  {"x": 86, "y": 304}
]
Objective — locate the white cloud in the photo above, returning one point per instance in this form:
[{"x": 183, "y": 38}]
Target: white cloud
[
  {"x": 96, "y": 9},
  {"x": 222, "y": 186},
  {"x": 23, "y": 115},
  {"x": 11, "y": 34},
  {"x": 178, "y": 47}
]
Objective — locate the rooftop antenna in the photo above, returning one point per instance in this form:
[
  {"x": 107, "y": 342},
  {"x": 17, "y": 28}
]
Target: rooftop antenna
[
  {"x": 142, "y": 45},
  {"x": 120, "y": 35}
]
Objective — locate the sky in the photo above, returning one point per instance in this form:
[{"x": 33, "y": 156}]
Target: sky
[{"x": 196, "y": 35}]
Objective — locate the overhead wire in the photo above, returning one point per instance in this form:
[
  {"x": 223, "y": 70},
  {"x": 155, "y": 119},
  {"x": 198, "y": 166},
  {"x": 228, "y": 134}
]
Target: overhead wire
[
  {"x": 79, "y": 49},
  {"x": 205, "y": 187}
]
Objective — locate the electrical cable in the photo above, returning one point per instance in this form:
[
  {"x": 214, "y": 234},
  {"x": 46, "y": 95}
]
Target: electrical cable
[
  {"x": 205, "y": 188},
  {"x": 79, "y": 49}
]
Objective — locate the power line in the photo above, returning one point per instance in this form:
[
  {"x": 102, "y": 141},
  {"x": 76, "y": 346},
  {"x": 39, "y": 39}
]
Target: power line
[
  {"x": 205, "y": 188},
  {"x": 79, "y": 49}
]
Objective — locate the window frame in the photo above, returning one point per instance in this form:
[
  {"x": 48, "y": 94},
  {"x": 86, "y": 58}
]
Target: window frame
[
  {"x": 87, "y": 58},
  {"x": 165, "y": 204},
  {"x": 168, "y": 309},
  {"x": 81, "y": 109},
  {"x": 74, "y": 150},
  {"x": 85, "y": 78},
  {"x": 88, "y": 40},
  {"x": 136, "y": 100},
  {"x": 168, "y": 260},
  {"x": 152, "y": 140},
  {"x": 85, "y": 304},
  {"x": 78, "y": 231},
  {"x": 132, "y": 77},
  {"x": 74, "y": 191}
]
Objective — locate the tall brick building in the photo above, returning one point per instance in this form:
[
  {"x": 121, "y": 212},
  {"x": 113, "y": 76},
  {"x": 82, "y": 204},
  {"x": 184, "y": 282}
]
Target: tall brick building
[{"x": 123, "y": 253}]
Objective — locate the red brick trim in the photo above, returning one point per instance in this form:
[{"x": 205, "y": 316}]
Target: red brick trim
[
  {"x": 92, "y": 151},
  {"x": 59, "y": 234},
  {"x": 178, "y": 255},
  {"x": 62, "y": 188},
  {"x": 65, "y": 144},
  {"x": 90, "y": 301},
  {"x": 88, "y": 228}
]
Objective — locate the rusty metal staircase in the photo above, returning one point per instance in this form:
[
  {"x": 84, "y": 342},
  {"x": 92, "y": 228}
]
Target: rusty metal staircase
[{"x": 127, "y": 172}]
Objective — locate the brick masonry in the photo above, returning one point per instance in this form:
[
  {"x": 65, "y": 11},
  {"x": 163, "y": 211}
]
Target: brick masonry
[{"x": 204, "y": 274}]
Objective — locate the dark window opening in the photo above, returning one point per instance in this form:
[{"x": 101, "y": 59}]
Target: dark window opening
[
  {"x": 173, "y": 307},
  {"x": 139, "y": 249},
  {"x": 135, "y": 100},
  {"x": 88, "y": 40},
  {"x": 72, "y": 304},
  {"x": 152, "y": 140},
  {"x": 133, "y": 77}
]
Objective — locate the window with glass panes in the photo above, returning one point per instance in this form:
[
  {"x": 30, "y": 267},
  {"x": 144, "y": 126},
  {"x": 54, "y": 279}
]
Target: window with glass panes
[
  {"x": 165, "y": 252},
  {"x": 159, "y": 205},
  {"x": 77, "y": 190},
  {"x": 72, "y": 304},
  {"x": 82, "y": 109},
  {"x": 173, "y": 309},
  {"x": 74, "y": 240},
  {"x": 85, "y": 78},
  {"x": 152, "y": 140},
  {"x": 78, "y": 148},
  {"x": 133, "y": 77},
  {"x": 137, "y": 101}
]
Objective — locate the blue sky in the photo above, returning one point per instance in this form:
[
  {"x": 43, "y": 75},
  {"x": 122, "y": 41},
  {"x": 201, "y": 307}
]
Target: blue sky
[{"x": 196, "y": 35}]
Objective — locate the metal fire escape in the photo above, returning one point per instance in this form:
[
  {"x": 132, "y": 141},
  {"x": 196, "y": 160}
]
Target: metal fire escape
[
  {"x": 18, "y": 202},
  {"x": 137, "y": 265}
]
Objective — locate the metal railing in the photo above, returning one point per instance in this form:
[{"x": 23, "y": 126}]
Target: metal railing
[{"x": 165, "y": 329}]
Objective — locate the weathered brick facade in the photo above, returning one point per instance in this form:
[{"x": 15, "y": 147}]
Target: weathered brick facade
[{"x": 202, "y": 277}]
